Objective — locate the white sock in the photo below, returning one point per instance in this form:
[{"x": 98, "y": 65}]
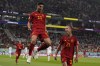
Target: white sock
[
  {"x": 29, "y": 59},
  {"x": 48, "y": 58},
  {"x": 10, "y": 55},
  {"x": 26, "y": 56},
  {"x": 36, "y": 56}
]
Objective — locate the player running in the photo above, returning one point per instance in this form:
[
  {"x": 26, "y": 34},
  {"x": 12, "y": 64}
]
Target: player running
[
  {"x": 19, "y": 47},
  {"x": 67, "y": 45}
]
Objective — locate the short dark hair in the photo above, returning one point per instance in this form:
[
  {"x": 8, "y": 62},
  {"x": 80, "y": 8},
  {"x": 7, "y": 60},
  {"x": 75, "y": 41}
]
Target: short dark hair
[
  {"x": 40, "y": 3},
  {"x": 70, "y": 26}
]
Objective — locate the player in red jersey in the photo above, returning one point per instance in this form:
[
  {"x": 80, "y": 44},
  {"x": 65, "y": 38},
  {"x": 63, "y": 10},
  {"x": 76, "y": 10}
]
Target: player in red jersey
[
  {"x": 67, "y": 44},
  {"x": 19, "y": 47},
  {"x": 38, "y": 19}
]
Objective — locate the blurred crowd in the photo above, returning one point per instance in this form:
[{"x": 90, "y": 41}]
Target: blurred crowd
[
  {"x": 89, "y": 40},
  {"x": 4, "y": 39},
  {"x": 85, "y": 9},
  {"x": 21, "y": 32}
]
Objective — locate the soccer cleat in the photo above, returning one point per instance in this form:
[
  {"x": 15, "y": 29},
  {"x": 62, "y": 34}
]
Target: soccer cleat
[
  {"x": 28, "y": 62},
  {"x": 29, "y": 59}
]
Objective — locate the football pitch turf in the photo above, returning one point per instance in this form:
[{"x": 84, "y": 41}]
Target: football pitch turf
[{"x": 42, "y": 61}]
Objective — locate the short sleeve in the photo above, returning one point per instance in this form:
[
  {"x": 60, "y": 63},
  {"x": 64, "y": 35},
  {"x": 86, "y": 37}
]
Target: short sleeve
[{"x": 30, "y": 17}]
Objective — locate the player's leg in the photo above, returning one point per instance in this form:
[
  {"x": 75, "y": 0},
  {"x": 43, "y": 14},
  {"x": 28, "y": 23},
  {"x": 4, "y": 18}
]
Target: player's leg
[
  {"x": 18, "y": 54},
  {"x": 64, "y": 63},
  {"x": 30, "y": 53},
  {"x": 69, "y": 62},
  {"x": 23, "y": 54},
  {"x": 36, "y": 56},
  {"x": 64, "y": 60},
  {"x": 26, "y": 55},
  {"x": 31, "y": 47},
  {"x": 45, "y": 45},
  {"x": 49, "y": 57},
  {"x": 10, "y": 54},
  {"x": 47, "y": 42}
]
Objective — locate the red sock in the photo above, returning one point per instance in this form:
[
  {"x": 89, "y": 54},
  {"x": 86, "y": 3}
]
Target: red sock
[
  {"x": 43, "y": 46},
  {"x": 16, "y": 59},
  {"x": 31, "y": 49}
]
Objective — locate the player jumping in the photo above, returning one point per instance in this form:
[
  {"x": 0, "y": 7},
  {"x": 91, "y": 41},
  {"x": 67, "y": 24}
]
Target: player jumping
[{"x": 38, "y": 19}]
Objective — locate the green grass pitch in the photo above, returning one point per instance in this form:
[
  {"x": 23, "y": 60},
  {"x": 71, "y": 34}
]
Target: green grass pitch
[{"x": 42, "y": 61}]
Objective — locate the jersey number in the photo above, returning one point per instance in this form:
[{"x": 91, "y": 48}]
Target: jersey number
[
  {"x": 68, "y": 44},
  {"x": 40, "y": 17}
]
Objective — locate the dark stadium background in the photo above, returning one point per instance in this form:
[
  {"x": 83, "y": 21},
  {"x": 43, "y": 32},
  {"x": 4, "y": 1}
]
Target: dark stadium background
[{"x": 83, "y": 15}]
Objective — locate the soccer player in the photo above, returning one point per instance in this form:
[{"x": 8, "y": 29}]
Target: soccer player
[
  {"x": 19, "y": 47},
  {"x": 49, "y": 49},
  {"x": 10, "y": 51},
  {"x": 67, "y": 45},
  {"x": 25, "y": 52},
  {"x": 38, "y": 19}
]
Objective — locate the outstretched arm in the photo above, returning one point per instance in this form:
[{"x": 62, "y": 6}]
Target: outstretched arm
[{"x": 59, "y": 47}]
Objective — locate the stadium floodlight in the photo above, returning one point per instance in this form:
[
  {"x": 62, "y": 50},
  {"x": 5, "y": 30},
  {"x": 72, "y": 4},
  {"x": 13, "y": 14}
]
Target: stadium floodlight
[
  {"x": 89, "y": 29},
  {"x": 48, "y": 16},
  {"x": 4, "y": 11},
  {"x": 9, "y": 22},
  {"x": 15, "y": 13},
  {"x": 72, "y": 19}
]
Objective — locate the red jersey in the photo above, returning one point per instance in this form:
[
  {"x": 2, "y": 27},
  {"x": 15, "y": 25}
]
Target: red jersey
[
  {"x": 19, "y": 46},
  {"x": 38, "y": 21},
  {"x": 67, "y": 46}
]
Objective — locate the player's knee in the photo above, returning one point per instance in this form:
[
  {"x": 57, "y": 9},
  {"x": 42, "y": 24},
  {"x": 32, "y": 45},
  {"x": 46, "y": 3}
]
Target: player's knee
[
  {"x": 33, "y": 41},
  {"x": 49, "y": 42}
]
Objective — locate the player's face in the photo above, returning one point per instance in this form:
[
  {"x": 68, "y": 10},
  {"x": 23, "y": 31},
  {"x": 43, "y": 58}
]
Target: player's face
[
  {"x": 20, "y": 42},
  {"x": 40, "y": 7},
  {"x": 68, "y": 30}
]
